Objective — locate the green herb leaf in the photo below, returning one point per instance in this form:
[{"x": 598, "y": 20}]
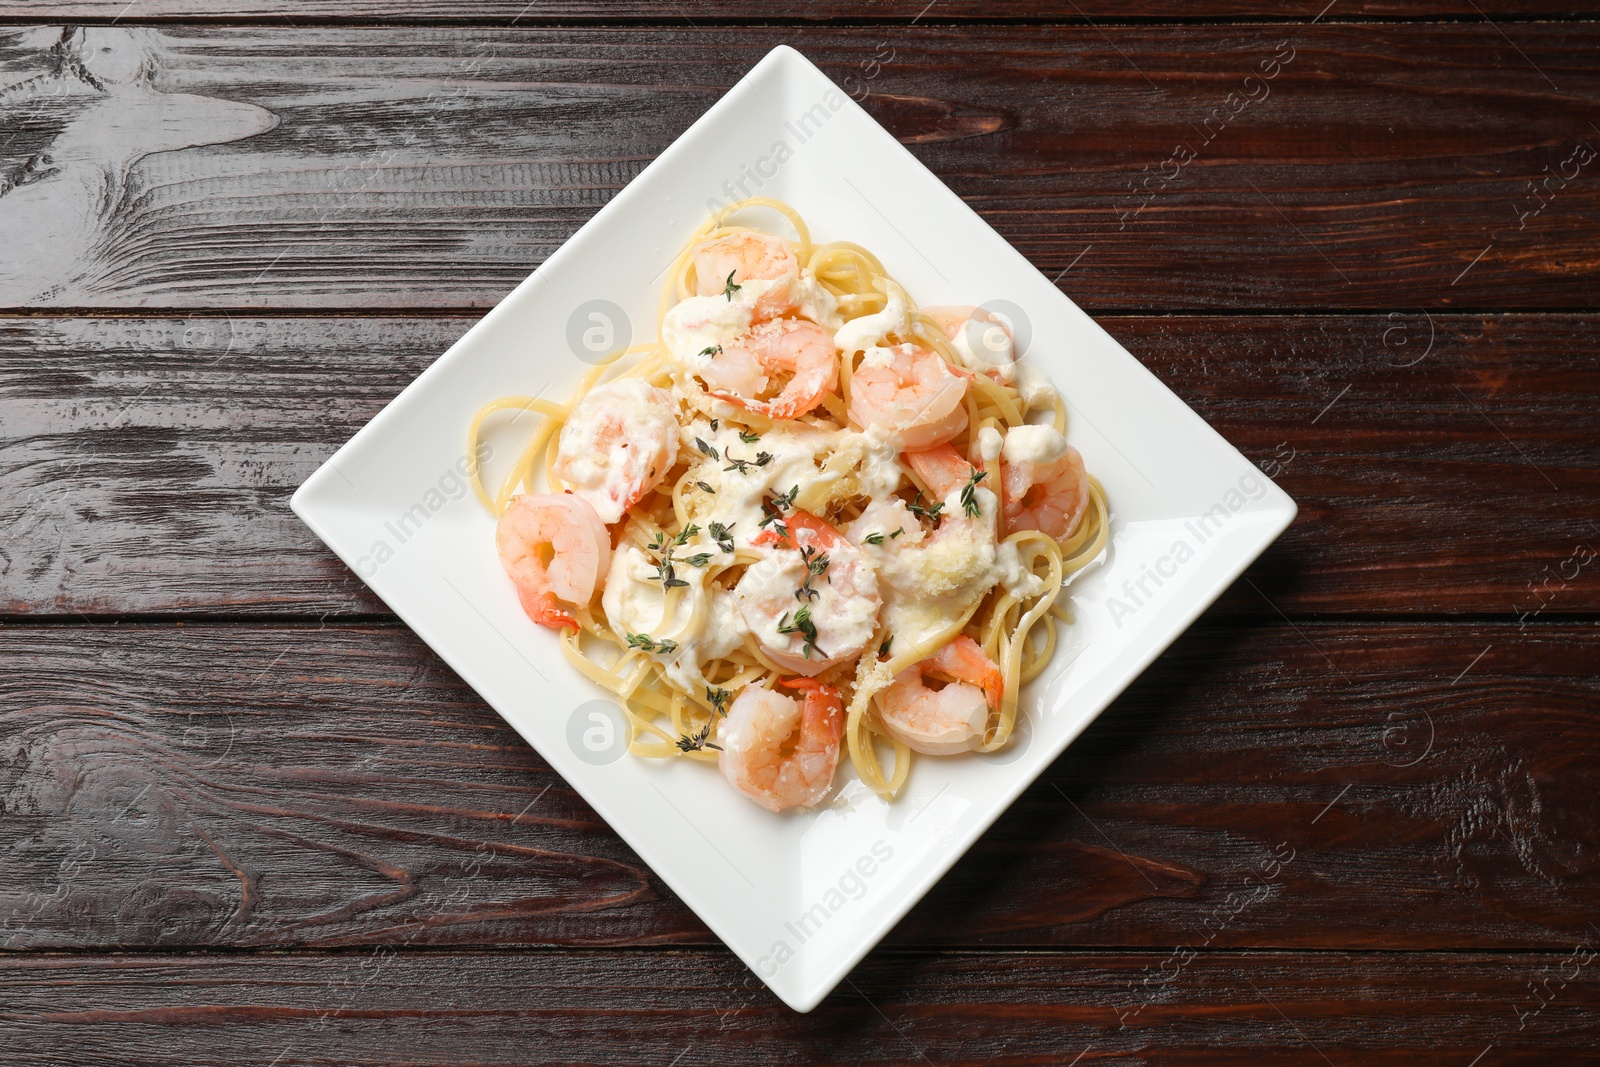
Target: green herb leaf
[
  {"x": 705, "y": 448},
  {"x": 649, "y": 644},
  {"x": 728, "y": 288},
  {"x": 969, "y": 500},
  {"x": 749, "y": 437},
  {"x": 697, "y": 741},
  {"x": 921, "y": 511},
  {"x": 803, "y": 626}
]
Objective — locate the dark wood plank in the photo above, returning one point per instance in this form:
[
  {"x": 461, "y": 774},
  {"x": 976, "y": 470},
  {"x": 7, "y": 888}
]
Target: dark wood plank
[
  {"x": 705, "y": 1008},
  {"x": 407, "y": 168},
  {"x": 146, "y": 464},
  {"x": 1326, "y": 786},
  {"x": 698, "y": 12}
]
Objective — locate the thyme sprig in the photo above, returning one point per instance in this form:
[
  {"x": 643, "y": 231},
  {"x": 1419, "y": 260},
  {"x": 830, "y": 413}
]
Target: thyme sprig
[
  {"x": 728, "y": 288},
  {"x": 773, "y": 509},
  {"x": 663, "y": 546},
  {"x": 925, "y": 511},
  {"x": 803, "y": 626},
  {"x": 969, "y": 501},
  {"x": 743, "y": 465},
  {"x": 719, "y": 700},
  {"x": 816, "y": 566},
  {"x": 646, "y": 643},
  {"x": 877, "y": 537},
  {"x": 698, "y": 741}
]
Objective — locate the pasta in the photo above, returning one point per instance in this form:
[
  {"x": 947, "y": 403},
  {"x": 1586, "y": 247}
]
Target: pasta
[{"x": 804, "y": 483}]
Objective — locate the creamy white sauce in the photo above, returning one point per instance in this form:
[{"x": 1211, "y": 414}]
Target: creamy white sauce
[
  {"x": 1037, "y": 445},
  {"x": 868, "y": 330},
  {"x": 989, "y": 444},
  {"x": 995, "y": 350},
  {"x": 1018, "y": 581},
  {"x": 604, "y": 466},
  {"x": 882, "y": 355},
  {"x": 1035, "y": 388},
  {"x": 816, "y": 302},
  {"x": 929, "y": 579},
  {"x": 637, "y": 603},
  {"x": 725, "y": 631},
  {"x": 737, "y": 495},
  {"x": 879, "y": 467},
  {"x": 885, "y": 517}
]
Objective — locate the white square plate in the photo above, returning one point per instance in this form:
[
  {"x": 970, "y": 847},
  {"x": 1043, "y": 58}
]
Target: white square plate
[{"x": 800, "y": 898}]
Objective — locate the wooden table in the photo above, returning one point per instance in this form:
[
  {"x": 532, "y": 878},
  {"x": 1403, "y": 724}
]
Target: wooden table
[{"x": 1351, "y": 817}]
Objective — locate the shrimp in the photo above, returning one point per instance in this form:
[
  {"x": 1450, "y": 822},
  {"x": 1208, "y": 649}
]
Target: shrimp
[
  {"x": 953, "y": 719},
  {"x": 744, "y": 369},
  {"x": 618, "y": 443},
  {"x": 758, "y": 731},
  {"x": 970, "y": 496},
  {"x": 982, "y": 338},
  {"x": 1046, "y": 485},
  {"x": 765, "y": 264},
  {"x": 554, "y": 548},
  {"x": 812, "y": 601},
  {"x": 910, "y": 392},
  {"x": 941, "y": 468}
]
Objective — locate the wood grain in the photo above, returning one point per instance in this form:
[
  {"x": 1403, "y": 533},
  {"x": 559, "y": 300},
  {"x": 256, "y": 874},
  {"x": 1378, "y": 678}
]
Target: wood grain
[
  {"x": 1363, "y": 830},
  {"x": 1382, "y": 167},
  {"x": 1321, "y": 786},
  {"x": 146, "y": 463},
  {"x": 703, "y": 1008},
  {"x": 698, "y": 12}
]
